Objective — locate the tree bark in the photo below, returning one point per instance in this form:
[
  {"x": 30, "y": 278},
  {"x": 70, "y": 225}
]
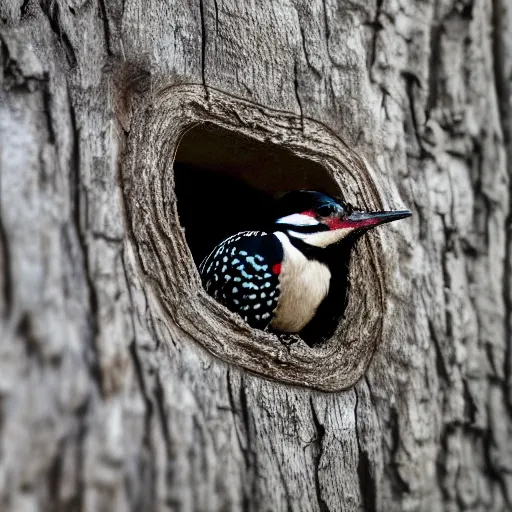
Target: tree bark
[{"x": 111, "y": 396}]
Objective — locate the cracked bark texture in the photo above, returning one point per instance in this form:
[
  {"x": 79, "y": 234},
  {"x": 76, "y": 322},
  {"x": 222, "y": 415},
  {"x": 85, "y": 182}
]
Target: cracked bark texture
[{"x": 105, "y": 405}]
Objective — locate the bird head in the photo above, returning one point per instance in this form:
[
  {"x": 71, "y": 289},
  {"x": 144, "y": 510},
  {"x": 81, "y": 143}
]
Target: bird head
[{"x": 322, "y": 221}]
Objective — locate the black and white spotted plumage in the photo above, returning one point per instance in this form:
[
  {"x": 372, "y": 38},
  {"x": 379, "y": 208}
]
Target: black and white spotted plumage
[{"x": 242, "y": 273}]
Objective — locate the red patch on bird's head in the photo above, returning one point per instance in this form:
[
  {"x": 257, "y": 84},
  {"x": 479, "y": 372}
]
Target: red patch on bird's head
[
  {"x": 344, "y": 223},
  {"x": 276, "y": 269},
  {"x": 336, "y": 223}
]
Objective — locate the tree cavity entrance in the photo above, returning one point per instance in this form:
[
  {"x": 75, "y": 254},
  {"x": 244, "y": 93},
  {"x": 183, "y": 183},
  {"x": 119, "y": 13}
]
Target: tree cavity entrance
[
  {"x": 198, "y": 168},
  {"x": 226, "y": 183}
]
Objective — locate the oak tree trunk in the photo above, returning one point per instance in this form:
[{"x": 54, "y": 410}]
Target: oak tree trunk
[{"x": 111, "y": 397}]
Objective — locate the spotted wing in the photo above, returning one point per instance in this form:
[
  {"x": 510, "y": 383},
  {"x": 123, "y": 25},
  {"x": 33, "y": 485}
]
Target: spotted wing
[{"x": 242, "y": 273}]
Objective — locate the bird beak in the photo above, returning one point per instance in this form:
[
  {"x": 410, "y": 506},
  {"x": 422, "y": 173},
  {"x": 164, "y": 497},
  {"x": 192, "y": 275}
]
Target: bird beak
[{"x": 361, "y": 220}]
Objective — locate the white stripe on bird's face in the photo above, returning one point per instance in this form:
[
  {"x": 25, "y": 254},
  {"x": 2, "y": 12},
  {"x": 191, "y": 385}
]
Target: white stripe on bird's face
[
  {"x": 322, "y": 238},
  {"x": 298, "y": 219}
]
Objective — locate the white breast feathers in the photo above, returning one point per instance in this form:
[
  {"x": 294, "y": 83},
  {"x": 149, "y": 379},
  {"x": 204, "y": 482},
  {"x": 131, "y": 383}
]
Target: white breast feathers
[{"x": 304, "y": 283}]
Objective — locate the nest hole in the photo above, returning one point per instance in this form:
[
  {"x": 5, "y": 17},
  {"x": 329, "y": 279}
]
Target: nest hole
[{"x": 226, "y": 182}]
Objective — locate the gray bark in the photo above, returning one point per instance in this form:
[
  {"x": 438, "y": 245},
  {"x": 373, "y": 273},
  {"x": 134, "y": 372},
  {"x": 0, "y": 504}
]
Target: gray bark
[{"x": 124, "y": 387}]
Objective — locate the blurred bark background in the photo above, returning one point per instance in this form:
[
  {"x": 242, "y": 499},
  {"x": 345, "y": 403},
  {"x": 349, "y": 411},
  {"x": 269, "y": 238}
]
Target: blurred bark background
[{"x": 105, "y": 405}]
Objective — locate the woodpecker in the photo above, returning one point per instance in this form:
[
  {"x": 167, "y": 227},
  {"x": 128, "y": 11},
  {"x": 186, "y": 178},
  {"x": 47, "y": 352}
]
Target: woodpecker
[{"x": 284, "y": 277}]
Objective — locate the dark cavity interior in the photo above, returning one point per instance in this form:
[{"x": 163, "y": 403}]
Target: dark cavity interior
[{"x": 225, "y": 183}]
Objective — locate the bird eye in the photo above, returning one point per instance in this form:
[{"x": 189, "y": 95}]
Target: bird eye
[{"x": 326, "y": 210}]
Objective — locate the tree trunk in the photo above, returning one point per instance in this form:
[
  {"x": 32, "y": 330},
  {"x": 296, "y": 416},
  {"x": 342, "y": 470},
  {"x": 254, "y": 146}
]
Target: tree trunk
[{"x": 122, "y": 385}]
